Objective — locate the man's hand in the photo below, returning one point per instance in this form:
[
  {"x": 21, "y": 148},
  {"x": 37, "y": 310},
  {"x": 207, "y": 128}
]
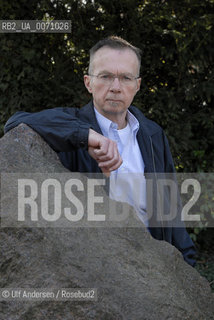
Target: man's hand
[{"x": 104, "y": 151}]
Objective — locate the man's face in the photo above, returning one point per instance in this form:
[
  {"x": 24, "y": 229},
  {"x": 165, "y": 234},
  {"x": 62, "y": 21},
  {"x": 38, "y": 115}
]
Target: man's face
[{"x": 112, "y": 100}]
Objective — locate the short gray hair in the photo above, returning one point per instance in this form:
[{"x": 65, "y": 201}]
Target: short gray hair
[{"x": 114, "y": 42}]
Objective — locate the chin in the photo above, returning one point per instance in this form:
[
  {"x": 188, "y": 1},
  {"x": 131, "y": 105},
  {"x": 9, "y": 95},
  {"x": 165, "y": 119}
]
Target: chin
[
  {"x": 113, "y": 105},
  {"x": 113, "y": 111}
]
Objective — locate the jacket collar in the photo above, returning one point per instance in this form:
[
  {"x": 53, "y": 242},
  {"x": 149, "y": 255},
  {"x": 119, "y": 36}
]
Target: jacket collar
[
  {"x": 87, "y": 114},
  {"x": 144, "y": 138}
]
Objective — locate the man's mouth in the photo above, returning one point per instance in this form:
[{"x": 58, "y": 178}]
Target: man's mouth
[{"x": 114, "y": 100}]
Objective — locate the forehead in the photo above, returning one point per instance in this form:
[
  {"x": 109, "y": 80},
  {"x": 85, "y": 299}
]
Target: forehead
[{"x": 115, "y": 60}]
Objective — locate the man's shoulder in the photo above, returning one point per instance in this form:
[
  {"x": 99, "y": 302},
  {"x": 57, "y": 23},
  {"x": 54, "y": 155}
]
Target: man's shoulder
[
  {"x": 78, "y": 112},
  {"x": 149, "y": 125},
  {"x": 69, "y": 110},
  {"x": 88, "y": 108}
]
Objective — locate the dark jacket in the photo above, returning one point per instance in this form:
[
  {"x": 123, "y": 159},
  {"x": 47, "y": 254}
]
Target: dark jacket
[{"x": 66, "y": 131}]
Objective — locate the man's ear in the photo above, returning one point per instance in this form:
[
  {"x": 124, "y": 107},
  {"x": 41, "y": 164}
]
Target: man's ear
[
  {"x": 87, "y": 81},
  {"x": 138, "y": 84}
]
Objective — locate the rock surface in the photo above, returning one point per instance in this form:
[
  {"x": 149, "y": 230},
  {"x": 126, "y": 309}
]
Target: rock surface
[{"x": 136, "y": 276}]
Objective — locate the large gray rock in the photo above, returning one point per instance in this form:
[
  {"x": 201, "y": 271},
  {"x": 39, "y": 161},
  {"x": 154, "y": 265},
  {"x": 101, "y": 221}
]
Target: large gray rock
[{"x": 136, "y": 276}]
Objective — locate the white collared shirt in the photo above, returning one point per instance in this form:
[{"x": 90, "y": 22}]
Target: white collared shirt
[{"x": 127, "y": 183}]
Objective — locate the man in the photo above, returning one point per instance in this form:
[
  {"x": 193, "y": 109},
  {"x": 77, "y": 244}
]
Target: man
[{"x": 109, "y": 135}]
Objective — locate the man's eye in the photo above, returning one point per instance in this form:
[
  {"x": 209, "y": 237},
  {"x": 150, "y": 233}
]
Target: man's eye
[
  {"x": 127, "y": 78},
  {"x": 105, "y": 76}
]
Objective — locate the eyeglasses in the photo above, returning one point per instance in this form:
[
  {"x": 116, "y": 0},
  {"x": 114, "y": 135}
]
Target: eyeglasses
[{"x": 108, "y": 79}]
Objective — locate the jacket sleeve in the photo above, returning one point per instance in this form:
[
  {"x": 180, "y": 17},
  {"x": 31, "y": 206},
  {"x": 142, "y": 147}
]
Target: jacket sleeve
[
  {"x": 182, "y": 241},
  {"x": 61, "y": 129}
]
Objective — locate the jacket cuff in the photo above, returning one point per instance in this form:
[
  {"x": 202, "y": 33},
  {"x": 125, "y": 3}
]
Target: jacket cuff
[{"x": 82, "y": 136}]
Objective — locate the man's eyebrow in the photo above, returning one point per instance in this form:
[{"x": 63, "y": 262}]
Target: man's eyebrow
[{"x": 108, "y": 72}]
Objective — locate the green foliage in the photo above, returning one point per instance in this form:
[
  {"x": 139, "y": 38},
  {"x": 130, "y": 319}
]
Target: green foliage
[
  {"x": 206, "y": 269},
  {"x": 205, "y": 258},
  {"x": 40, "y": 71}
]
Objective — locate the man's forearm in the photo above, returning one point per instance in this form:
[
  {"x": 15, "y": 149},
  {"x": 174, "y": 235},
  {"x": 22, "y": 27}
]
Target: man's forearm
[{"x": 62, "y": 131}]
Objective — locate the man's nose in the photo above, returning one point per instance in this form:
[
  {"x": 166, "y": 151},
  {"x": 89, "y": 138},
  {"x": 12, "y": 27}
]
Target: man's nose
[{"x": 115, "y": 85}]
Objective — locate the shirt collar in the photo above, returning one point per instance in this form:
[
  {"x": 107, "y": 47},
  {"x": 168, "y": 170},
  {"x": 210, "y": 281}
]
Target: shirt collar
[{"x": 105, "y": 124}]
